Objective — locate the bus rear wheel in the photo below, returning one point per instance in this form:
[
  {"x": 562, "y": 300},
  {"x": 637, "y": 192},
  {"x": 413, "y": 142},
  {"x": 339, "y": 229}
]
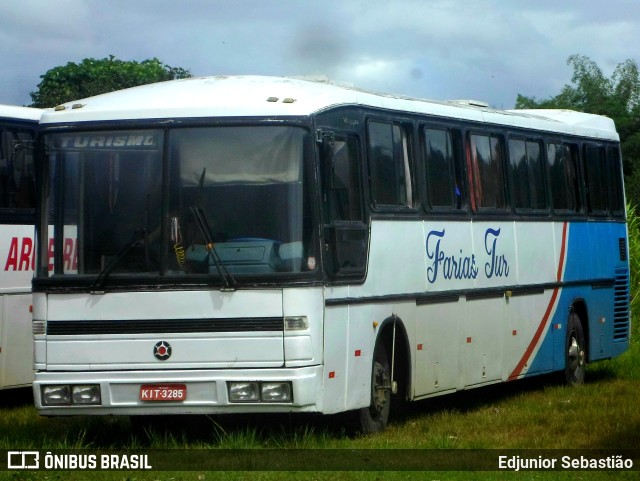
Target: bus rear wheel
[
  {"x": 575, "y": 352},
  {"x": 374, "y": 418}
]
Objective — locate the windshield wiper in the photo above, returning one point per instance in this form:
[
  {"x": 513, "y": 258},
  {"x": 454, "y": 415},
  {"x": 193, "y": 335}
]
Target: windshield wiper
[
  {"x": 136, "y": 237},
  {"x": 203, "y": 226}
]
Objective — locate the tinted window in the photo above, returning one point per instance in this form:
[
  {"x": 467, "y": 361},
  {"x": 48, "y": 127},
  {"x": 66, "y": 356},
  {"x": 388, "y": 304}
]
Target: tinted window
[
  {"x": 527, "y": 174},
  {"x": 614, "y": 177},
  {"x": 563, "y": 171},
  {"x": 344, "y": 181},
  {"x": 443, "y": 183},
  {"x": 596, "y": 181},
  {"x": 17, "y": 178},
  {"x": 487, "y": 172},
  {"x": 390, "y": 176}
]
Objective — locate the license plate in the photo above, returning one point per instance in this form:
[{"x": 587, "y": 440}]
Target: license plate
[{"x": 163, "y": 392}]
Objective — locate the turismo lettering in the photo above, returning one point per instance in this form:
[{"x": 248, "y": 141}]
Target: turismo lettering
[
  {"x": 21, "y": 255},
  {"x": 96, "y": 141}
]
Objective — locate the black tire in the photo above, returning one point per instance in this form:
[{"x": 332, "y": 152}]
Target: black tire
[
  {"x": 575, "y": 352},
  {"x": 373, "y": 419}
]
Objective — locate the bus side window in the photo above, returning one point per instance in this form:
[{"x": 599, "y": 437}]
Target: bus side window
[
  {"x": 346, "y": 233},
  {"x": 595, "y": 173},
  {"x": 563, "y": 171},
  {"x": 614, "y": 181},
  {"x": 389, "y": 165},
  {"x": 344, "y": 190},
  {"x": 442, "y": 170},
  {"x": 17, "y": 174},
  {"x": 486, "y": 172},
  {"x": 5, "y": 153},
  {"x": 527, "y": 175}
]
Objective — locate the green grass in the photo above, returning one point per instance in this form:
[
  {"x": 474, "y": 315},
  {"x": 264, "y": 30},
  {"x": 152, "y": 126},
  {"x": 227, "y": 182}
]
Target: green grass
[{"x": 532, "y": 414}]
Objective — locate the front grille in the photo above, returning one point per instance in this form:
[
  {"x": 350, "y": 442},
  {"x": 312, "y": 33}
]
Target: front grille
[
  {"x": 621, "y": 305},
  {"x": 164, "y": 326}
]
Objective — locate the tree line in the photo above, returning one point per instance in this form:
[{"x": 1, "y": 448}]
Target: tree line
[
  {"x": 617, "y": 96},
  {"x": 92, "y": 76}
]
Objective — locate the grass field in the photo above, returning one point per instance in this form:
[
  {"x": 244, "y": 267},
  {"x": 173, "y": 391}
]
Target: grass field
[
  {"x": 539, "y": 414},
  {"x": 532, "y": 414}
]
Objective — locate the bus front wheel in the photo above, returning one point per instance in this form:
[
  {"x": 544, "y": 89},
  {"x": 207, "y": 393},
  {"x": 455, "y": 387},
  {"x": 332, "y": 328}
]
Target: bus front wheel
[
  {"x": 575, "y": 352},
  {"x": 374, "y": 418}
]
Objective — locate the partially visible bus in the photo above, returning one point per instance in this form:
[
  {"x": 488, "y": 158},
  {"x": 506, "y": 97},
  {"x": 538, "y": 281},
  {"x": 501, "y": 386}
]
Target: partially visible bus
[
  {"x": 254, "y": 244},
  {"x": 17, "y": 250}
]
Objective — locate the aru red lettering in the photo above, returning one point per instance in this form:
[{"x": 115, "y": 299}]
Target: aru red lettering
[
  {"x": 69, "y": 259},
  {"x": 12, "y": 258},
  {"x": 69, "y": 254},
  {"x": 20, "y": 256},
  {"x": 25, "y": 254}
]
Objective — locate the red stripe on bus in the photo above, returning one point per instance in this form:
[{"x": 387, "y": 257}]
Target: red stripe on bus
[
  {"x": 536, "y": 338},
  {"x": 562, "y": 252}
]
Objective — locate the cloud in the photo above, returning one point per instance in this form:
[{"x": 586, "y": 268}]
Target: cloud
[{"x": 486, "y": 49}]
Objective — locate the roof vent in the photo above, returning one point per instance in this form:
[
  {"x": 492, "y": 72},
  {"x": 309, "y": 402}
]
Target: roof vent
[{"x": 470, "y": 103}]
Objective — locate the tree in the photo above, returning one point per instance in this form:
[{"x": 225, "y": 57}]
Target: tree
[
  {"x": 96, "y": 76},
  {"x": 617, "y": 97}
]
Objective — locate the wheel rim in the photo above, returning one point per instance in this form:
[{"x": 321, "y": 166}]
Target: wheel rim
[
  {"x": 575, "y": 356},
  {"x": 381, "y": 388}
]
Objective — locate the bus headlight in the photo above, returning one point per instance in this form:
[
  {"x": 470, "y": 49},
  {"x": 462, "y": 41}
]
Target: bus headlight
[
  {"x": 276, "y": 392},
  {"x": 89, "y": 394},
  {"x": 56, "y": 395},
  {"x": 244, "y": 392},
  {"x": 67, "y": 395},
  {"x": 268, "y": 392}
]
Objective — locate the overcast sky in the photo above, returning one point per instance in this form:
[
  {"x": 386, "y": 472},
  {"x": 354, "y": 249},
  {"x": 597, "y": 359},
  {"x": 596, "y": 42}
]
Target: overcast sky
[{"x": 488, "y": 50}]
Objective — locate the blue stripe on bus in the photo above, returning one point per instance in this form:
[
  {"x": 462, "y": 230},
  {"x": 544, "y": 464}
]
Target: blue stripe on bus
[{"x": 585, "y": 258}]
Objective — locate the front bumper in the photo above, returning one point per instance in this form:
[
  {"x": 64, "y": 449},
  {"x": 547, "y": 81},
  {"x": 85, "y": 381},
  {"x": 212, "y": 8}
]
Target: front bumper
[{"x": 207, "y": 391}]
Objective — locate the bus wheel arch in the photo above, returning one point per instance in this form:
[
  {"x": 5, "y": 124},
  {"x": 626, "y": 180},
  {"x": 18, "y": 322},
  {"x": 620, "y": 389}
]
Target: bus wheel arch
[
  {"x": 576, "y": 346},
  {"x": 579, "y": 307},
  {"x": 390, "y": 375},
  {"x": 393, "y": 335}
]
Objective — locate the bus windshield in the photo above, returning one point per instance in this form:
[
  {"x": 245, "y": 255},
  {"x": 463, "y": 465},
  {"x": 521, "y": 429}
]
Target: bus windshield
[{"x": 223, "y": 202}]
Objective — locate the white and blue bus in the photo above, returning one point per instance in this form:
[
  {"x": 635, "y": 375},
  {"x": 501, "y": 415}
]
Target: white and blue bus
[
  {"x": 253, "y": 244},
  {"x": 18, "y": 127}
]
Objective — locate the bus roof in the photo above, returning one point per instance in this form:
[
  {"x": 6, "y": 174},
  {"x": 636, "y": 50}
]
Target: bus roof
[
  {"x": 21, "y": 113},
  {"x": 257, "y": 96}
]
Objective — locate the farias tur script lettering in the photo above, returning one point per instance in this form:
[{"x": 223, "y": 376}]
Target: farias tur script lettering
[
  {"x": 450, "y": 266},
  {"x": 461, "y": 265},
  {"x": 497, "y": 266}
]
